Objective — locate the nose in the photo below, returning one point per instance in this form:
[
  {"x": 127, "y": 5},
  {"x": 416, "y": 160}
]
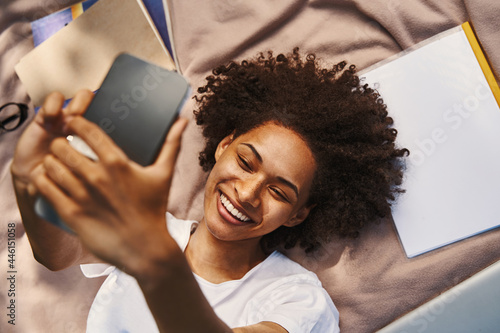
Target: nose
[{"x": 249, "y": 191}]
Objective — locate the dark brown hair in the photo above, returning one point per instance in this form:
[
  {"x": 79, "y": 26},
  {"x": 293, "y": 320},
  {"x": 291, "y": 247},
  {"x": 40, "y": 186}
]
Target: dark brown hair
[{"x": 344, "y": 123}]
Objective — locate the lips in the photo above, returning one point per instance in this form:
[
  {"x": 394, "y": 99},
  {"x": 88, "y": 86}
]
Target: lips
[{"x": 233, "y": 211}]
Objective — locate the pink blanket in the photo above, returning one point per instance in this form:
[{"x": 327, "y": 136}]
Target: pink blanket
[{"x": 370, "y": 279}]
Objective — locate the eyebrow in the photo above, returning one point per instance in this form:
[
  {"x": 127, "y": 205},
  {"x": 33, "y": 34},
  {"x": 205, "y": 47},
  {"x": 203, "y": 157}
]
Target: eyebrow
[
  {"x": 255, "y": 152},
  {"x": 280, "y": 179},
  {"x": 289, "y": 184}
]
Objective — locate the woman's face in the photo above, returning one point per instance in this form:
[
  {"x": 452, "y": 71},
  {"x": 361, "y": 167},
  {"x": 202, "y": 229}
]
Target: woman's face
[{"x": 261, "y": 181}]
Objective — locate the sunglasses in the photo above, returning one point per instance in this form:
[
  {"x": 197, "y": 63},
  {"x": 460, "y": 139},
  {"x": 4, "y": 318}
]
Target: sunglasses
[{"x": 12, "y": 115}]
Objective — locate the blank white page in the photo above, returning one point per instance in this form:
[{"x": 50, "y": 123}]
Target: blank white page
[{"x": 447, "y": 116}]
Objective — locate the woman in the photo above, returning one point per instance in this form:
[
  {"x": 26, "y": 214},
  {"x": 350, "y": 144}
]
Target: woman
[{"x": 296, "y": 153}]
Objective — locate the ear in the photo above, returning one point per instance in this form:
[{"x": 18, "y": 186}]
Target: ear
[
  {"x": 221, "y": 147},
  {"x": 301, "y": 215}
]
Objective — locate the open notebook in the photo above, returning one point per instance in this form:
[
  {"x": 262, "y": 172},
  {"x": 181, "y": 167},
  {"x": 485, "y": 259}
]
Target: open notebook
[{"x": 445, "y": 110}]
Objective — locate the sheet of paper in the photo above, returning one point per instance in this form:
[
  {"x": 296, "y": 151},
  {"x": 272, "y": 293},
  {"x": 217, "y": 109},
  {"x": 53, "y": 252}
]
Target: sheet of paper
[
  {"x": 446, "y": 115},
  {"x": 80, "y": 55}
]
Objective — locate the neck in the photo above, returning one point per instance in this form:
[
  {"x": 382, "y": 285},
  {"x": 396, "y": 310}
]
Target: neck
[{"x": 218, "y": 261}]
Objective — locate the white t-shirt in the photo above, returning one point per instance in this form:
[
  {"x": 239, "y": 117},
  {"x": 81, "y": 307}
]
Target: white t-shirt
[{"x": 277, "y": 290}]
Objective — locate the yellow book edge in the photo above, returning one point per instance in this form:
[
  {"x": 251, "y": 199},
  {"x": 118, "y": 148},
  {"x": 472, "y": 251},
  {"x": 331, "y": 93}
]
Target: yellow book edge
[
  {"x": 481, "y": 59},
  {"x": 76, "y": 10}
]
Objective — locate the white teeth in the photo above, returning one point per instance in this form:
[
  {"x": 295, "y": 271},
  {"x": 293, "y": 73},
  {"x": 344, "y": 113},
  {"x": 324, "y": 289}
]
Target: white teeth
[{"x": 236, "y": 213}]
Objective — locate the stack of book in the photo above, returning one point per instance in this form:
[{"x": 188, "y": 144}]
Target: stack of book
[{"x": 76, "y": 47}]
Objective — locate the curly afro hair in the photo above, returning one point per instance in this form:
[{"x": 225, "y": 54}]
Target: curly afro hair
[{"x": 345, "y": 124}]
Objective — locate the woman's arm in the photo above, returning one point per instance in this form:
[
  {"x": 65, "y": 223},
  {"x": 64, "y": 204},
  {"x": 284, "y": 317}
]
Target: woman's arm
[{"x": 51, "y": 246}]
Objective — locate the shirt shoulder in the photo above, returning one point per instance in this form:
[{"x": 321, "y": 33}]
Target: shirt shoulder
[
  {"x": 180, "y": 230},
  {"x": 278, "y": 265},
  {"x": 296, "y": 299},
  {"x": 282, "y": 291}
]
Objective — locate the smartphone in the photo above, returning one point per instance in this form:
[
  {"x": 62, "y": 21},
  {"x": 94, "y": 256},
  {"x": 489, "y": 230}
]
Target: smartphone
[{"x": 135, "y": 106}]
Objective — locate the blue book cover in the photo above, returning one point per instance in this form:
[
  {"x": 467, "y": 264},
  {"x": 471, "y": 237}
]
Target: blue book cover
[
  {"x": 157, "y": 13},
  {"x": 47, "y": 26}
]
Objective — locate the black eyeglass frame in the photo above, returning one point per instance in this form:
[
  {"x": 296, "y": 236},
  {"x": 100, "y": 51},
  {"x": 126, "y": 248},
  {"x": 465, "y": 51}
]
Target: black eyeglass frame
[{"x": 23, "y": 115}]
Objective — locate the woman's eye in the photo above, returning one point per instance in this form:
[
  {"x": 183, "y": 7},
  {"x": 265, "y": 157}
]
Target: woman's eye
[
  {"x": 244, "y": 164},
  {"x": 280, "y": 194}
]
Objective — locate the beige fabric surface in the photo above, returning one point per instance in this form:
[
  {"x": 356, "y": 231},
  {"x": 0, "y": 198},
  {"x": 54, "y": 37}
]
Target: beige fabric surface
[{"x": 370, "y": 279}]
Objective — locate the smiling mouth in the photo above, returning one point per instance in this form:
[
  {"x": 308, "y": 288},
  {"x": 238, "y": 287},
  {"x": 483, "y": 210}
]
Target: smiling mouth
[{"x": 232, "y": 210}]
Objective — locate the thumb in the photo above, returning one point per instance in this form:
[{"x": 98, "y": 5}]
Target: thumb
[
  {"x": 51, "y": 111},
  {"x": 170, "y": 150}
]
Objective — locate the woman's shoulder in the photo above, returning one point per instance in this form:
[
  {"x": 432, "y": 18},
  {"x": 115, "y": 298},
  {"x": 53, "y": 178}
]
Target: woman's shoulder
[
  {"x": 180, "y": 230},
  {"x": 280, "y": 266},
  {"x": 289, "y": 294}
]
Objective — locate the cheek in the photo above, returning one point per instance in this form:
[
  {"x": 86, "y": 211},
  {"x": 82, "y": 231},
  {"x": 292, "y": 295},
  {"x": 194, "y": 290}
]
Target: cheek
[
  {"x": 225, "y": 170},
  {"x": 210, "y": 189},
  {"x": 220, "y": 173},
  {"x": 275, "y": 213}
]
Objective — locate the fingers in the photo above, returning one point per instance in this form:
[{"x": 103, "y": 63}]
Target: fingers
[
  {"x": 80, "y": 102},
  {"x": 103, "y": 146},
  {"x": 64, "y": 179},
  {"x": 54, "y": 195},
  {"x": 71, "y": 159},
  {"x": 171, "y": 147},
  {"x": 51, "y": 114},
  {"x": 62, "y": 149},
  {"x": 51, "y": 110}
]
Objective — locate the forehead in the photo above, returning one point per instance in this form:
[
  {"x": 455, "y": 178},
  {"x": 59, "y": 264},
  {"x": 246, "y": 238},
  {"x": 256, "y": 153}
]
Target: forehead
[{"x": 283, "y": 151}]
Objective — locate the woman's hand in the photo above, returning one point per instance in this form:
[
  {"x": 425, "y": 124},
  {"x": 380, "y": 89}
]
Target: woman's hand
[
  {"x": 51, "y": 246},
  {"x": 47, "y": 125},
  {"x": 115, "y": 206}
]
